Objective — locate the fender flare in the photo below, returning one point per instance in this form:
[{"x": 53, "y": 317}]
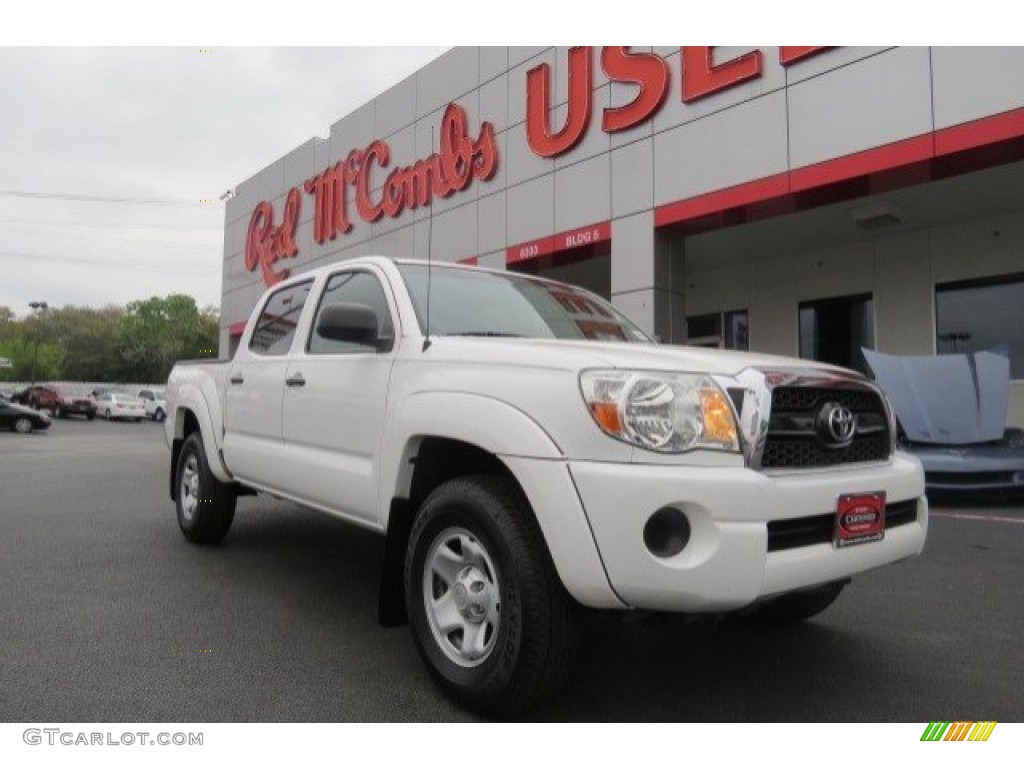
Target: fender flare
[
  {"x": 532, "y": 457},
  {"x": 485, "y": 422},
  {"x": 191, "y": 398}
]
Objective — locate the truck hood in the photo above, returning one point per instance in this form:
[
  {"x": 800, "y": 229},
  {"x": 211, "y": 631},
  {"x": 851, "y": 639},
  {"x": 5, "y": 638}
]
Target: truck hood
[
  {"x": 577, "y": 355},
  {"x": 947, "y": 399}
]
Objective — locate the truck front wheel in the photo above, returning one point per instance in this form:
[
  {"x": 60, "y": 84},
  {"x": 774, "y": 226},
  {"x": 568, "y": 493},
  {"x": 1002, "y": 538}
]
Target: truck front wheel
[
  {"x": 489, "y": 615},
  {"x": 205, "y": 506}
]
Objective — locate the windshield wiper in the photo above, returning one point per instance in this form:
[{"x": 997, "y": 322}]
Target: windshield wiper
[{"x": 488, "y": 334}]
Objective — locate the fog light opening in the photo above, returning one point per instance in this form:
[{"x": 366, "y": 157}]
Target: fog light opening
[{"x": 667, "y": 532}]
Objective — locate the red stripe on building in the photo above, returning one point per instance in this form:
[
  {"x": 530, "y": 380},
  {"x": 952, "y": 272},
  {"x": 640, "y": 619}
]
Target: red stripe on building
[
  {"x": 722, "y": 200},
  {"x": 863, "y": 163},
  {"x": 563, "y": 241},
  {"x": 988, "y": 130},
  {"x": 904, "y": 162}
]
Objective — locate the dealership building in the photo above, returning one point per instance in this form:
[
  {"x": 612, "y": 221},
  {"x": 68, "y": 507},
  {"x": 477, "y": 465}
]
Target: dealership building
[{"x": 804, "y": 201}]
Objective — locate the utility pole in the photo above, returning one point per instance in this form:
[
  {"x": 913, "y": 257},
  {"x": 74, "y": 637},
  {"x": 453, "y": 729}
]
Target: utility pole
[{"x": 40, "y": 306}]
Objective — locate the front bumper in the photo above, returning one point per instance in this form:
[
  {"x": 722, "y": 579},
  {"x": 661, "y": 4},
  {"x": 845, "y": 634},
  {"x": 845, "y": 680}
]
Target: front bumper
[
  {"x": 126, "y": 413},
  {"x": 726, "y": 564},
  {"x": 78, "y": 408},
  {"x": 972, "y": 468}
]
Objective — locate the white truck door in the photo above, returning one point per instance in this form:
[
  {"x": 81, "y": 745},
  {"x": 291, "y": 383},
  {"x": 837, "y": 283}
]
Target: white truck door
[
  {"x": 255, "y": 388},
  {"x": 335, "y": 401}
]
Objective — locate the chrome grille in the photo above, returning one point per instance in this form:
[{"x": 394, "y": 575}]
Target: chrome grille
[{"x": 793, "y": 440}]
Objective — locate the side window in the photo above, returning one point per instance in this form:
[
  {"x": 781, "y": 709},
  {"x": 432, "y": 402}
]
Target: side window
[
  {"x": 275, "y": 327},
  {"x": 356, "y": 287}
]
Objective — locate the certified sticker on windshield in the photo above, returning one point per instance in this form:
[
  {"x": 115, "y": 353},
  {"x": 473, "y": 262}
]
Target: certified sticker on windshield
[{"x": 860, "y": 518}]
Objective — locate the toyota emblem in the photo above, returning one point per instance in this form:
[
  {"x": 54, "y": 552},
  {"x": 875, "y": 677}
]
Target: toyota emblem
[{"x": 836, "y": 425}]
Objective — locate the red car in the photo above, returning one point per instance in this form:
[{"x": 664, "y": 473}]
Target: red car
[{"x": 62, "y": 400}]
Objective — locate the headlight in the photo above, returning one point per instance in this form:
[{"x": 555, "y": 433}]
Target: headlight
[{"x": 664, "y": 412}]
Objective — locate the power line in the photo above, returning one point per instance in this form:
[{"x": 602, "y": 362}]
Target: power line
[
  {"x": 112, "y": 225},
  {"x": 72, "y": 137},
  {"x": 101, "y": 198},
  {"x": 127, "y": 238},
  {"x": 129, "y": 265}
]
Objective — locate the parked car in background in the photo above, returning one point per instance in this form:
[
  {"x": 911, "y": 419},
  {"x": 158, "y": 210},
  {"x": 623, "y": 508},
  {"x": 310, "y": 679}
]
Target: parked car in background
[
  {"x": 952, "y": 412},
  {"x": 7, "y": 394},
  {"x": 21, "y": 419},
  {"x": 99, "y": 391},
  {"x": 20, "y": 396},
  {"x": 62, "y": 400},
  {"x": 155, "y": 402},
  {"x": 75, "y": 400},
  {"x": 116, "y": 405}
]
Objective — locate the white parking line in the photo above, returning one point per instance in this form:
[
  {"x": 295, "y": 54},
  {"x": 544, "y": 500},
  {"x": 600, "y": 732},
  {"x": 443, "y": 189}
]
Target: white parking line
[{"x": 986, "y": 518}]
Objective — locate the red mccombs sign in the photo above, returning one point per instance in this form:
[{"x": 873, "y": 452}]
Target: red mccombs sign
[{"x": 462, "y": 158}]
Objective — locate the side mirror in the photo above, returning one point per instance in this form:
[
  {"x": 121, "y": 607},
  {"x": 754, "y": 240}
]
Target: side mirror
[{"x": 354, "y": 323}]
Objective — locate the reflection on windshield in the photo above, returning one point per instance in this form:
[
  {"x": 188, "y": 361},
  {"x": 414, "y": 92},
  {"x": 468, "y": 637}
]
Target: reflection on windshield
[{"x": 466, "y": 302}]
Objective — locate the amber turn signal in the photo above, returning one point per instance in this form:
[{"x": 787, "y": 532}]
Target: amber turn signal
[
  {"x": 607, "y": 416},
  {"x": 719, "y": 424}
]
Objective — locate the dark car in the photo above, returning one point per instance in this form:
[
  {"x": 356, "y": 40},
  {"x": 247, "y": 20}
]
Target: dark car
[
  {"x": 62, "y": 400},
  {"x": 20, "y": 396},
  {"x": 21, "y": 419}
]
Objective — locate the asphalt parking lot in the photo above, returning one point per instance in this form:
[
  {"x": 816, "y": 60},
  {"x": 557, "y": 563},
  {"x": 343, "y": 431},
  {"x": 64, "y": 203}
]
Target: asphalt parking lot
[{"x": 107, "y": 614}]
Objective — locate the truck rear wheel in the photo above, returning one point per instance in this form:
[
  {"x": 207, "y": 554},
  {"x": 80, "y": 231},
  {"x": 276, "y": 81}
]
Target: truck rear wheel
[
  {"x": 489, "y": 615},
  {"x": 796, "y": 607},
  {"x": 205, "y": 506}
]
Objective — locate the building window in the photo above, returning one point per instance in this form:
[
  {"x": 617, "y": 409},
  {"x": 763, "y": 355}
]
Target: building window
[
  {"x": 835, "y": 330},
  {"x": 720, "y": 330},
  {"x": 974, "y": 315}
]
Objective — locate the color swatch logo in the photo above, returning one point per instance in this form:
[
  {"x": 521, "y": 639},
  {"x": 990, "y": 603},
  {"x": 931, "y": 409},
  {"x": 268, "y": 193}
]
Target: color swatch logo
[{"x": 958, "y": 731}]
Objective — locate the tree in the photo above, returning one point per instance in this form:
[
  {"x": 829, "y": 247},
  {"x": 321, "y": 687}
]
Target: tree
[
  {"x": 88, "y": 338},
  {"x": 22, "y": 353},
  {"x": 154, "y": 333}
]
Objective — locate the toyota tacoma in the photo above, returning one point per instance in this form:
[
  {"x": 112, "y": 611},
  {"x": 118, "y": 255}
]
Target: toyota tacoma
[{"x": 525, "y": 450}]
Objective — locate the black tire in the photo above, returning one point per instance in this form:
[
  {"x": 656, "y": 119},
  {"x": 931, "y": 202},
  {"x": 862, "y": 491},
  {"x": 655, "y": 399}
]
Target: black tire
[
  {"x": 206, "y": 507},
  {"x": 796, "y": 607},
  {"x": 159, "y": 416},
  {"x": 106, "y": 414},
  {"x": 90, "y": 416},
  {"x": 22, "y": 425},
  {"x": 60, "y": 413},
  {"x": 534, "y": 637}
]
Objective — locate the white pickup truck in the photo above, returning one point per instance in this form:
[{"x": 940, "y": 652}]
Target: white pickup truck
[{"x": 536, "y": 452}]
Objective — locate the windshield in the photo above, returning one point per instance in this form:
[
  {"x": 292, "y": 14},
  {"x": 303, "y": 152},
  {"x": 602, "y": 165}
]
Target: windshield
[{"x": 467, "y": 302}]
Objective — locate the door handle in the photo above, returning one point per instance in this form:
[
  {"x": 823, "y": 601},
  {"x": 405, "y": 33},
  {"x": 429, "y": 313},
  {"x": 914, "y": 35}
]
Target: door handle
[
  {"x": 295, "y": 381},
  {"x": 236, "y": 378}
]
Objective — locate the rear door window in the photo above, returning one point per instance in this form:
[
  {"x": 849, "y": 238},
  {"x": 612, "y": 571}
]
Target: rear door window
[{"x": 276, "y": 325}]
